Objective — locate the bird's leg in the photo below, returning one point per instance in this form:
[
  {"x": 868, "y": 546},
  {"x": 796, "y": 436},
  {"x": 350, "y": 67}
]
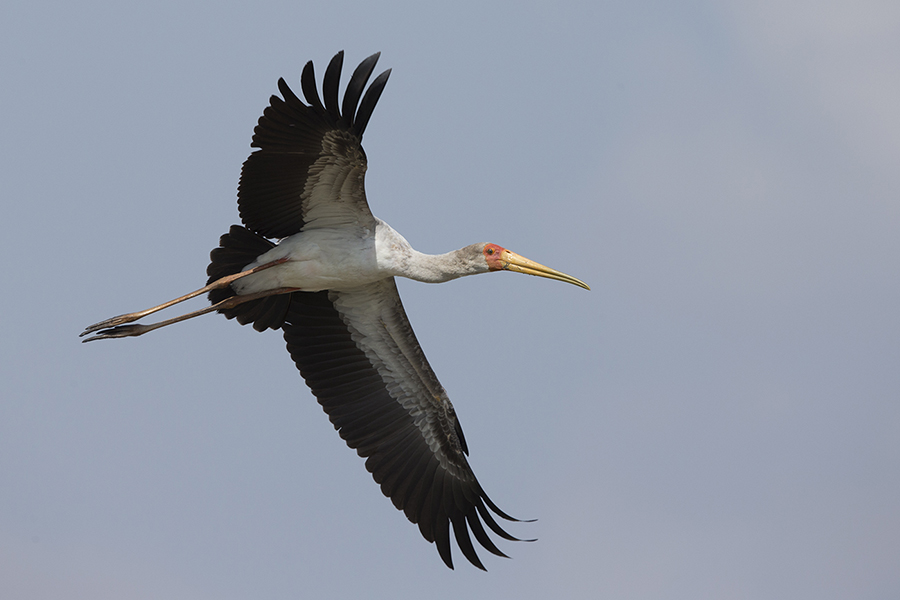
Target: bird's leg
[
  {"x": 120, "y": 331},
  {"x": 215, "y": 285}
]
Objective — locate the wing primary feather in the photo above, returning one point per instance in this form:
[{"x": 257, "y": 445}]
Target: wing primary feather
[
  {"x": 289, "y": 96},
  {"x": 370, "y": 99},
  {"x": 442, "y": 537},
  {"x": 497, "y": 510},
  {"x": 463, "y": 540},
  {"x": 308, "y": 85},
  {"x": 482, "y": 536},
  {"x": 330, "y": 85},
  {"x": 494, "y": 526},
  {"x": 355, "y": 88}
]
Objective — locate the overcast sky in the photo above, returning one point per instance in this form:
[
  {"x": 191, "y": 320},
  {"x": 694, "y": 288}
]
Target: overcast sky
[{"x": 718, "y": 418}]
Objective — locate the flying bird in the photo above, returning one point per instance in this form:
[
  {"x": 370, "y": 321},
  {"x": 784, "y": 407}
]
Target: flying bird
[{"x": 313, "y": 261}]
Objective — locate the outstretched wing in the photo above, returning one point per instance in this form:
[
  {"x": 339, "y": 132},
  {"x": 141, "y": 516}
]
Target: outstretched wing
[
  {"x": 358, "y": 353},
  {"x": 310, "y": 167},
  {"x": 356, "y": 350}
]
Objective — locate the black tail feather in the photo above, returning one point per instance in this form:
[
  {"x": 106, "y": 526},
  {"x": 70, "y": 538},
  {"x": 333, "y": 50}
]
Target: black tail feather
[{"x": 238, "y": 248}]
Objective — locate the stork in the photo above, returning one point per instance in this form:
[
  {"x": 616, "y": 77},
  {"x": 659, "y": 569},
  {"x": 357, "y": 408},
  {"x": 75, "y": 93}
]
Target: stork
[{"x": 327, "y": 281}]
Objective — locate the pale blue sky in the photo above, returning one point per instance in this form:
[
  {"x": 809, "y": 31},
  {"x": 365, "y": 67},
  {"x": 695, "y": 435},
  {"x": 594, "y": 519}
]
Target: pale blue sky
[{"x": 718, "y": 418}]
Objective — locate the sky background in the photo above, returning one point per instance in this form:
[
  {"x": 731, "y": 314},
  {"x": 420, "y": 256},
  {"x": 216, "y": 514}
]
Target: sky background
[{"x": 718, "y": 418}]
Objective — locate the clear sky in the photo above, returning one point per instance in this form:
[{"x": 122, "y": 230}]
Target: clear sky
[{"x": 718, "y": 418}]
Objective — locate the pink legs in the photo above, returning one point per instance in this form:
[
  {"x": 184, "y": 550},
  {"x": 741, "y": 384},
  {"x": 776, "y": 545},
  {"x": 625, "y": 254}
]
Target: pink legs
[{"x": 116, "y": 327}]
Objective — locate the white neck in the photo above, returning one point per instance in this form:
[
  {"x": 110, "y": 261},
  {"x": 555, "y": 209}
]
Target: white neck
[
  {"x": 438, "y": 268},
  {"x": 396, "y": 257}
]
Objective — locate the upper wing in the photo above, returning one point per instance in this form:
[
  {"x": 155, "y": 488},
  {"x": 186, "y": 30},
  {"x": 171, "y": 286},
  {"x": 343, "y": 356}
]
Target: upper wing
[
  {"x": 358, "y": 353},
  {"x": 310, "y": 166}
]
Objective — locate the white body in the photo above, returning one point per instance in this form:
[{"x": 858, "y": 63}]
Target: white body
[{"x": 342, "y": 258}]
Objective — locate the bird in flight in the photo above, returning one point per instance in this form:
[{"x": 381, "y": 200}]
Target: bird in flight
[{"x": 313, "y": 261}]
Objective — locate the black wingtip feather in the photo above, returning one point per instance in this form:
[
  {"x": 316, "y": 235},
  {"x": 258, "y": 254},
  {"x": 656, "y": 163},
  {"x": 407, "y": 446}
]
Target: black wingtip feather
[
  {"x": 497, "y": 510},
  {"x": 370, "y": 99},
  {"x": 308, "y": 85},
  {"x": 287, "y": 92},
  {"x": 461, "y": 533},
  {"x": 442, "y": 538},
  {"x": 482, "y": 536},
  {"x": 493, "y": 525},
  {"x": 330, "y": 84},
  {"x": 355, "y": 88}
]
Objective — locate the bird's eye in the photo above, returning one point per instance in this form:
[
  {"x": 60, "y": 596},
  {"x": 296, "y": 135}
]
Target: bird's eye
[{"x": 490, "y": 250}]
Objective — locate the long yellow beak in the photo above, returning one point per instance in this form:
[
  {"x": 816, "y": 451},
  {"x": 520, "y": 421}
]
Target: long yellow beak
[{"x": 510, "y": 261}]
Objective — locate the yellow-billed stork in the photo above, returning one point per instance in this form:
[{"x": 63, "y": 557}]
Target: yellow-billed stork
[{"x": 328, "y": 283}]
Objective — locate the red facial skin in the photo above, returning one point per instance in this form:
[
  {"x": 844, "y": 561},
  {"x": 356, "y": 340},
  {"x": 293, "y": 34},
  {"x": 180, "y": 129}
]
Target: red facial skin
[{"x": 493, "y": 255}]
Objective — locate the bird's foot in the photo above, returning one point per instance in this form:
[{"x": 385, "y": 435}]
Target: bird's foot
[
  {"x": 110, "y": 323},
  {"x": 119, "y": 331}
]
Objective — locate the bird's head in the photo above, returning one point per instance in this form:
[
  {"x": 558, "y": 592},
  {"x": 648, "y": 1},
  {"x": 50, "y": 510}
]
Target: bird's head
[{"x": 499, "y": 258}]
